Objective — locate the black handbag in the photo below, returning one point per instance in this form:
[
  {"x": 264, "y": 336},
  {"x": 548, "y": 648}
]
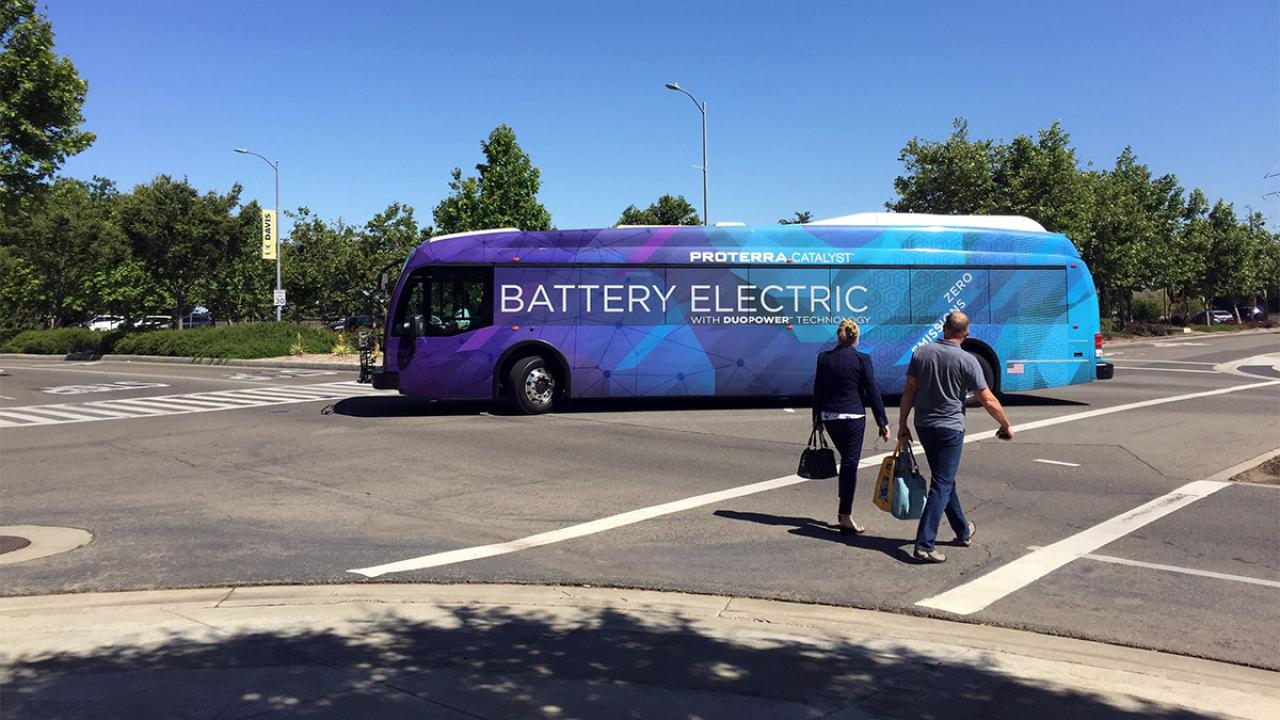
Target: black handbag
[{"x": 818, "y": 461}]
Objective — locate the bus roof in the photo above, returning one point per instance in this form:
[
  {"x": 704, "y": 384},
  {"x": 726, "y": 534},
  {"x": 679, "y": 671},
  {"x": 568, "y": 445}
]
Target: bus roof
[
  {"x": 823, "y": 243},
  {"x": 890, "y": 219}
]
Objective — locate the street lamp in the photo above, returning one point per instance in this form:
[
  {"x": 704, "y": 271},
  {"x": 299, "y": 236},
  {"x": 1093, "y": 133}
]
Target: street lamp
[
  {"x": 276, "y": 167},
  {"x": 702, "y": 108}
]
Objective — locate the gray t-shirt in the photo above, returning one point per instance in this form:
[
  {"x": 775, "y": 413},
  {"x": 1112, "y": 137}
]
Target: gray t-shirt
[{"x": 944, "y": 375}]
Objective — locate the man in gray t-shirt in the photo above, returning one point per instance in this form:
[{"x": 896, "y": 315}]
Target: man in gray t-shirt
[{"x": 939, "y": 377}]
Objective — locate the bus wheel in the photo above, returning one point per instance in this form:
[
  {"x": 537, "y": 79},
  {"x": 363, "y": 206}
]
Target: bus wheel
[{"x": 533, "y": 385}]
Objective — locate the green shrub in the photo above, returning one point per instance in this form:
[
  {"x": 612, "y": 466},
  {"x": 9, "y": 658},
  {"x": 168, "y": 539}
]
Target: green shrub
[
  {"x": 1107, "y": 325},
  {"x": 1149, "y": 329},
  {"x": 254, "y": 340},
  {"x": 61, "y": 341},
  {"x": 1145, "y": 310}
]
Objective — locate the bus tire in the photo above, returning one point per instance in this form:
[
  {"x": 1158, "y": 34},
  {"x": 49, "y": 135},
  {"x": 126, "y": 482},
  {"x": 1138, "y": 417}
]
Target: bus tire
[
  {"x": 534, "y": 385},
  {"x": 988, "y": 374}
]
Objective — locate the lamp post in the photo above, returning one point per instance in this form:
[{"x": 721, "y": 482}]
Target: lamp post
[
  {"x": 276, "y": 167},
  {"x": 702, "y": 108}
]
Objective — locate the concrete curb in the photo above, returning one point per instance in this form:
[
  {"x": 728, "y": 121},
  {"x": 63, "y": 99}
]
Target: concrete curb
[
  {"x": 261, "y": 362},
  {"x": 91, "y": 623},
  {"x": 1183, "y": 336}
]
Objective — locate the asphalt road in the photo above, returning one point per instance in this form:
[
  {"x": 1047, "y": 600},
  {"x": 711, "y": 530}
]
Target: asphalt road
[{"x": 195, "y": 476}]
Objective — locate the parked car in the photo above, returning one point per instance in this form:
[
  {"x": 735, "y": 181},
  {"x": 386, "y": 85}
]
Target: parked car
[
  {"x": 104, "y": 323},
  {"x": 1216, "y": 317},
  {"x": 153, "y": 322},
  {"x": 354, "y": 322},
  {"x": 197, "y": 320},
  {"x": 1252, "y": 313}
]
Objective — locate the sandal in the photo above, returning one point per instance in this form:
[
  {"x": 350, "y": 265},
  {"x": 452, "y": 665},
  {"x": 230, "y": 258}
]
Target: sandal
[{"x": 852, "y": 528}]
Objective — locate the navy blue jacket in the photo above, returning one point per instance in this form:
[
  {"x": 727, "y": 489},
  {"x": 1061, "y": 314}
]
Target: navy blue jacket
[{"x": 845, "y": 382}]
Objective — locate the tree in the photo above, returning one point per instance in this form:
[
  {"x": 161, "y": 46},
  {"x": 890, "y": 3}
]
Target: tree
[
  {"x": 179, "y": 235},
  {"x": 321, "y": 258},
  {"x": 239, "y": 286},
  {"x": 386, "y": 239},
  {"x": 40, "y": 99},
  {"x": 801, "y": 217},
  {"x": 504, "y": 194},
  {"x": 1040, "y": 179},
  {"x": 64, "y": 237},
  {"x": 955, "y": 177},
  {"x": 1227, "y": 268},
  {"x": 667, "y": 210}
]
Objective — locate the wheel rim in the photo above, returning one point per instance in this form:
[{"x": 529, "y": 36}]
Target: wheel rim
[{"x": 539, "y": 385}]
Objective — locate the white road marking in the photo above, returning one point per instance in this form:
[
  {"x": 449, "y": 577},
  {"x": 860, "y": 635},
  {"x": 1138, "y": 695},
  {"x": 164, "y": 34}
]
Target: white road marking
[
  {"x": 1057, "y": 462},
  {"x": 1177, "y": 569},
  {"x": 127, "y": 408},
  {"x": 788, "y": 410},
  {"x": 279, "y": 374},
  {"x": 980, "y": 592},
  {"x": 24, "y": 417},
  {"x": 634, "y": 516},
  {"x": 81, "y": 369},
  {"x": 1178, "y": 344},
  {"x": 100, "y": 387},
  {"x": 1127, "y": 368},
  {"x": 1271, "y": 360},
  {"x": 577, "y": 531}
]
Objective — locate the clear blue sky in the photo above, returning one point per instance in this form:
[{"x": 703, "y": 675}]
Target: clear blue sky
[{"x": 808, "y": 103}]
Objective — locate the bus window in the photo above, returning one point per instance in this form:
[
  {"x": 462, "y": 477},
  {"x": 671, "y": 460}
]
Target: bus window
[
  {"x": 412, "y": 304},
  {"x": 936, "y": 292},
  {"x": 1029, "y": 297},
  {"x": 450, "y": 301}
]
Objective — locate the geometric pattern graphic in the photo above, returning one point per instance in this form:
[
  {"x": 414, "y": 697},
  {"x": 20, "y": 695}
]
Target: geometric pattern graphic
[
  {"x": 746, "y": 310},
  {"x": 123, "y": 409}
]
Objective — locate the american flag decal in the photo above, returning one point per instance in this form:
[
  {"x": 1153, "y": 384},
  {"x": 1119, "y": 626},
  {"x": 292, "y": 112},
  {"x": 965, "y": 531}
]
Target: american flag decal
[{"x": 1015, "y": 369}]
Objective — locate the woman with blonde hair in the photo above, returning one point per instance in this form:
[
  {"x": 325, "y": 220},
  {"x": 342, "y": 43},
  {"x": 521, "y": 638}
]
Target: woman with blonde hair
[{"x": 843, "y": 386}]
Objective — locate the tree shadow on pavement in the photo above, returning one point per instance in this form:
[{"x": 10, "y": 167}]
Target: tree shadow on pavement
[
  {"x": 896, "y": 548},
  {"x": 455, "y": 661}
]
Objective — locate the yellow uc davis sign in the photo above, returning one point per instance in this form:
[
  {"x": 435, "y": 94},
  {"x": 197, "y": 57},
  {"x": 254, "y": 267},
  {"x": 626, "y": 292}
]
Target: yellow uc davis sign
[{"x": 269, "y": 235}]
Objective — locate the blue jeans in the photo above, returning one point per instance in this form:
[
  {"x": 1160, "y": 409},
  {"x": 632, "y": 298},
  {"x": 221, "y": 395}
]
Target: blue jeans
[{"x": 942, "y": 449}]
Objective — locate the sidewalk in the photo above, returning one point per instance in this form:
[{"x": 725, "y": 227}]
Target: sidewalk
[{"x": 509, "y": 651}]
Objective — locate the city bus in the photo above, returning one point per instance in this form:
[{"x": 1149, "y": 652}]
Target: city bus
[{"x": 538, "y": 318}]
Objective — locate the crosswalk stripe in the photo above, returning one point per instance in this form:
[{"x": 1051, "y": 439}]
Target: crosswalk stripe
[
  {"x": 235, "y": 399},
  {"x": 274, "y": 393},
  {"x": 57, "y": 413},
  {"x": 28, "y": 418},
  {"x": 175, "y": 402},
  {"x": 92, "y": 410},
  {"x": 128, "y": 408}
]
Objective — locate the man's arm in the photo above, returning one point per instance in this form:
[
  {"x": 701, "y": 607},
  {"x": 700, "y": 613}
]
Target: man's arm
[
  {"x": 904, "y": 408},
  {"x": 996, "y": 411}
]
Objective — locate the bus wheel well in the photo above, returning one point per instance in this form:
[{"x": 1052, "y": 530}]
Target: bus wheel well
[
  {"x": 984, "y": 351},
  {"x": 516, "y": 353}
]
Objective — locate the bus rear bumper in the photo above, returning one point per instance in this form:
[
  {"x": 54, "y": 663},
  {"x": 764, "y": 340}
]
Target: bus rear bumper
[
  {"x": 383, "y": 380},
  {"x": 1105, "y": 371}
]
